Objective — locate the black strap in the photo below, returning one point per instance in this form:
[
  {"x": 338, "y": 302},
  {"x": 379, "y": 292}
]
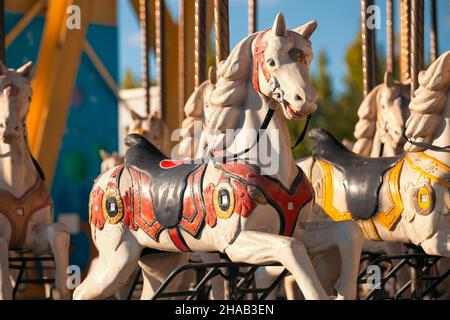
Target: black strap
[
  {"x": 427, "y": 145},
  {"x": 302, "y": 135},
  {"x": 264, "y": 126}
]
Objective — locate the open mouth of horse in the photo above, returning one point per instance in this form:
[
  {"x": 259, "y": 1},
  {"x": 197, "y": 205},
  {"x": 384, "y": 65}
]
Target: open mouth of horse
[{"x": 291, "y": 111}]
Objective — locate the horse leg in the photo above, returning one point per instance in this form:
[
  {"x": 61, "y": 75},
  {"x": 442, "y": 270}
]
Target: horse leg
[
  {"x": 156, "y": 267},
  {"x": 265, "y": 276},
  {"x": 5, "y": 283},
  {"x": 258, "y": 248},
  {"x": 55, "y": 237},
  {"x": 348, "y": 237},
  {"x": 119, "y": 253}
]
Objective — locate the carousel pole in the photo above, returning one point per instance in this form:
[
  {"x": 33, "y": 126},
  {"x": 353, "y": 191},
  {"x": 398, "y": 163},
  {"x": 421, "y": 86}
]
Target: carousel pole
[
  {"x": 161, "y": 54},
  {"x": 390, "y": 37},
  {"x": 417, "y": 43},
  {"x": 145, "y": 76},
  {"x": 405, "y": 46},
  {"x": 200, "y": 42},
  {"x": 434, "y": 46},
  {"x": 181, "y": 62},
  {"x": 221, "y": 22},
  {"x": 368, "y": 48},
  {"x": 252, "y": 9},
  {"x": 417, "y": 65}
]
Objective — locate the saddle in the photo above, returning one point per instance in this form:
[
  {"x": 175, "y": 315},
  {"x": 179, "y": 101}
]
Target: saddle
[
  {"x": 363, "y": 176},
  {"x": 167, "y": 186}
]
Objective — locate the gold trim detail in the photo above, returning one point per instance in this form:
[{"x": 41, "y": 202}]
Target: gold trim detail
[
  {"x": 390, "y": 217},
  {"x": 219, "y": 212},
  {"x": 428, "y": 163},
  {"x": 328, "y": 194},
  {"x": 118, "y": 217}
]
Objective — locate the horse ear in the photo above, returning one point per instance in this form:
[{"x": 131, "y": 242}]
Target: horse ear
[
  {"x": 27, "y": 70},
  {"x": 279, "y": 26},
  {"x": 104, "y": 154},
  {"x": 307, "y": 29},
  {"x": 237, "y": 65},
  {"x": 3, "y": 68},
  {"x": 388, "y": 79},
  {"x": 135, "y": 116},
  {"x": 212, "y": 75}
]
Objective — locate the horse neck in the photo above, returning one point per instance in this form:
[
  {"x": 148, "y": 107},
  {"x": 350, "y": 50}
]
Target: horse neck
[
  {"x": 442, "y": 135},
  {"x": 17, "y": 171},
  {"x": 255, "y": 109}
]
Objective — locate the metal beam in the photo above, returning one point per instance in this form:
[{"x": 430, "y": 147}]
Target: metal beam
[
  {"x": 57, "y": 68},
  {"x": 12, "y": 35}
]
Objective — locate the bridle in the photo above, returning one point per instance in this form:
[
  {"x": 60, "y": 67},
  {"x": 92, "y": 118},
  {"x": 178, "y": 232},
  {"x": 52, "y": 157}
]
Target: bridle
[{"x": 277, "y": 94}]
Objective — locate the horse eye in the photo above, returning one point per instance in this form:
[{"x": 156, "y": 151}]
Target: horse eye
[
  {"x": 271, "y": 62},
  {"x": 297, "y": 55}
]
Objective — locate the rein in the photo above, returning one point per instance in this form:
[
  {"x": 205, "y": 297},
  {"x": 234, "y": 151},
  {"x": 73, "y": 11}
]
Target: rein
[
  {"x": 277, "y": 93},
  {"x": 426, "y": 145}
]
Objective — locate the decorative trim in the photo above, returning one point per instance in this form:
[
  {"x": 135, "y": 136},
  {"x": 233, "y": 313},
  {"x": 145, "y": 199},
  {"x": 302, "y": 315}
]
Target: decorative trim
[
  {"x": 389, "y": 218},
  {"x": 328, "y": 194},
  {"x": 223, "y": 214}
]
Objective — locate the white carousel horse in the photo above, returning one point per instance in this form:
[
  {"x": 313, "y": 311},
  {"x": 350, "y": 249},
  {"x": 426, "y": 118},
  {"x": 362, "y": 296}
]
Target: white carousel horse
[
  {"x": 153, "y": 128},
  {"x": 26, "y": 216},
  {"x": 409, "y": 199},
  {"x": 227, "y": 207},
  {"x": 382, "y": 117},
  {"x": 379, "y": 133},
  {"x": 197, "y": 112}
]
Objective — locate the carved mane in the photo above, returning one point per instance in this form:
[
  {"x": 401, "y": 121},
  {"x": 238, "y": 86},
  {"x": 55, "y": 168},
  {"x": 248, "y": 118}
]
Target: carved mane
[{"x": 428, "y": 103}]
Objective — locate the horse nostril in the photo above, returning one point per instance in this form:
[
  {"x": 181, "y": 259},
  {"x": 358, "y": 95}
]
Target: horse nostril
[
  {"x": 298, "y": 98},
  {"x": 16, "y": 128}
]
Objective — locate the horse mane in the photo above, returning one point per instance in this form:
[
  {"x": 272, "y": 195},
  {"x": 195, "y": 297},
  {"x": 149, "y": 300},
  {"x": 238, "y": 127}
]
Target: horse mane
[
  {"x": 428, "y": 103},
  {"x": 366, "y": 126},
  {"x": 193, "y": 109},
  {"x": 231, "y": 88}
]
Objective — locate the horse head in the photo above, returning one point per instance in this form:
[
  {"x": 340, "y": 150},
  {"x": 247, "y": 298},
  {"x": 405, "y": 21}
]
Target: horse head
[
  {"x": 392, "y": 111},
  {"x": 281, "y": 67},
  {"x": 277, "y": 62},
  {"x": 383, "y": 111},
  {"x": 15, "y": 98}
]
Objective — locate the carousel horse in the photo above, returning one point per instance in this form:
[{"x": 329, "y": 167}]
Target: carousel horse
[
  {"x": 379, "y": 133},
  {"x": 153, "y": 128},
  {"x": 226, "y": 206},
  {"x": 26, "y": 214},
  {"x": 197, "y": 114},
  {"x": 406, "y": 198}
]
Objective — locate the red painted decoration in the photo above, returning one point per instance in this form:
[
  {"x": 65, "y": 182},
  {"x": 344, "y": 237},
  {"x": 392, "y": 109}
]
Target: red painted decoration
[
  {"x": 211, "y": 218},
  {"x": 96, "y": 212}
]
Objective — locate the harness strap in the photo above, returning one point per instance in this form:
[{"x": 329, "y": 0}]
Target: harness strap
[
  {"x": 258, "y": 61},
  {"x": 427, "y": 145}
]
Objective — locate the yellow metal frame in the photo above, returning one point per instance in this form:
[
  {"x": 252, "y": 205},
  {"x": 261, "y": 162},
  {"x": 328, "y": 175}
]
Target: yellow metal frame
[{"x": 57, "y": 68}]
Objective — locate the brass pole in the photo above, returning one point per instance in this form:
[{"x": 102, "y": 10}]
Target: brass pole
[
  {"x": 145, "y": 76},
  {"x": 405, "y": 35},
  {"x": 181, "y": 62},
  {"x": 252, "y": 16},
  {"x": 417, "y": 43},
  {"x": 368, "y": 55},
  {"x": 221, "y": 21},
  {"x": 389, "y": 37},
  {"x": 160, "y": 29},
  {"x": 2, "y": 31},
  {"x": 434, "y": 46},
  {"x": 200, "y": 42}
]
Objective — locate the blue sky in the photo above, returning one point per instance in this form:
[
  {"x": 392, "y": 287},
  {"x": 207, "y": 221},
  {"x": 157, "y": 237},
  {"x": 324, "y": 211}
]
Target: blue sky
[{"x": 338, "y": 24}]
